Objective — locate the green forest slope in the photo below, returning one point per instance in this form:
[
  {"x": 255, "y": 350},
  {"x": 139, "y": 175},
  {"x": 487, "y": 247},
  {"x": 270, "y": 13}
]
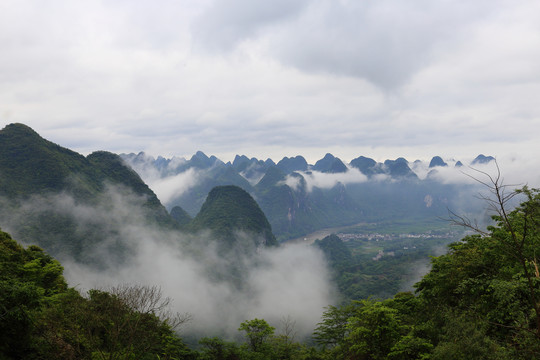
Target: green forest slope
[
  {"x": 479, "y": 301},
  {"x": 41, "y": 185}
]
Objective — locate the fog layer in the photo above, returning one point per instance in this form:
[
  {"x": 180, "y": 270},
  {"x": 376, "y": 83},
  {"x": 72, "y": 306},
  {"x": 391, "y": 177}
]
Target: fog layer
[{"x": 273, "y": 282}]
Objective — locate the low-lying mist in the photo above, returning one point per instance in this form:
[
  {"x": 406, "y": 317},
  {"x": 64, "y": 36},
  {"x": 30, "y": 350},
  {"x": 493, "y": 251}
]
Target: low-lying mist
[
  {"x": 287, "y": 281},
  {"x": 317, "y": 179},
  {"x": 273, "y": 283}
]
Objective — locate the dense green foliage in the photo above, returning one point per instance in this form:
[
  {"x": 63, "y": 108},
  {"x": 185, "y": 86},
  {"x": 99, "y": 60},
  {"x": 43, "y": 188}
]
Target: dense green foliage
[
  {"x": 379, "y": 267},
  {"x": 180, "y": 216},
  {"x": 44, "y": 319},
  {"x": 479, "y": 301},
  {"x": 337, "y": 253},
  {"x": 257, "y": 333},
  {"x": 27, "y": 277},
  {"x": 229, "y": 209},
  {"x": 30, "y": 164}
]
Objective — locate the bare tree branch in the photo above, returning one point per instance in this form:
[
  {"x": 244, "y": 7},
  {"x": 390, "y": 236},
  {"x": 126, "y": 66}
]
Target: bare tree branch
[
  {"x": 149, "y": 300},
  {"x": 463, "y": 221}
]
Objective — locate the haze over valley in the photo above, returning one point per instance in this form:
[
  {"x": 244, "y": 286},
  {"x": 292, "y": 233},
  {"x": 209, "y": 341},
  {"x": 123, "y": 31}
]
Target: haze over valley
[{"x": 107, "y": 227}]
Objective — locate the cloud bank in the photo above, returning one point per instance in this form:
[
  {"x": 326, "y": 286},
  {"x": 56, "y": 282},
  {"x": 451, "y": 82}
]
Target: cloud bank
[
  {"x": 317, "y": 179},
  {"x": 275, "y": 283}
]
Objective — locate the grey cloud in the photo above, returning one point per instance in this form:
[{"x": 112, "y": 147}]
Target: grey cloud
[
  {"x": 291, "y": 280},
  {"x": 228, "y": 22},
  {"x": 165, "y": 182},
  {"x": 385, "y": 42}
]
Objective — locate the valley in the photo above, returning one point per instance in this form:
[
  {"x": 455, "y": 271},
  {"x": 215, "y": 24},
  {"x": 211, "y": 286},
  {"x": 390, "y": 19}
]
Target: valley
[
  {"x": 310, "y": 238},
  {"x": 256, "y": 240}
]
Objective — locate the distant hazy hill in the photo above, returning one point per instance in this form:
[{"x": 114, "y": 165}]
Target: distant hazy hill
[
  {"x": 44, "y": 187},
  {"x": 294, "y": 211},
  {"x": 251, "y": 168},
  {"x": 228, "y": 210},
  {"x": 482, "y": 159},
  {"x": 180, "y": 215},
  {"x": 366, "y": 166},
  {"x": 211, "y": 172},
  {"x": 399, "y": 168},
  {"x": 330, "y": 164},
  {"x": 437, "y": 161},
  {"x": 337, "y": 254},
  {"x": 288, "y": 165}
]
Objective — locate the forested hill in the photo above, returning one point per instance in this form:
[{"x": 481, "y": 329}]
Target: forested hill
[
  {"x": 45, "y": 187},
  {"x": 30, "y": 165},
  {"x": 228, "y": 210}
]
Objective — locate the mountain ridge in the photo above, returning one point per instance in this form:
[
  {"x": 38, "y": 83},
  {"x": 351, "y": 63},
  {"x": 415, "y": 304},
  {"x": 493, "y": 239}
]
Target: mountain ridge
[
  {"x": 40, "y": 181},
  {"x": 298, "y": 199}
]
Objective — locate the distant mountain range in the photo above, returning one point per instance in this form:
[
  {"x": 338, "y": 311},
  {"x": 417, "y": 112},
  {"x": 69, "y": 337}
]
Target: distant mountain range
[
  {"x": 252, "y": 168},
  {"x": 299, "y": 198},
  {"x": 71, "y": 203}
]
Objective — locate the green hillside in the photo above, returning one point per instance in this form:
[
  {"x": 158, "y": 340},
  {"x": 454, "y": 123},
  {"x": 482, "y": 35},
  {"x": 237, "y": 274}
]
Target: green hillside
[
  {"x": 217, "y": 175},
  {"x": 42, "y": 183},
  {"x": 229, "y": 209},
  {"x": 30, "y": 165},
  {"x": 295, "y": 211}
]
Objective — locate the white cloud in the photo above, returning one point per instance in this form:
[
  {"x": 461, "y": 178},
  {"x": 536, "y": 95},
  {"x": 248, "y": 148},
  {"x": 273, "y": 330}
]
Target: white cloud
[
  {"x": 326, "y": 180},
  {"x": 171, "y": 187},
  {"x": 291, "y": 280},
  {"x": 166, "y": 183},
  {"x": 514, "y": 171}
]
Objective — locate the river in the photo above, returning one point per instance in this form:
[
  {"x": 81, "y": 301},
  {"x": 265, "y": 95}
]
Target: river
[{"x": 321, "y": 234}]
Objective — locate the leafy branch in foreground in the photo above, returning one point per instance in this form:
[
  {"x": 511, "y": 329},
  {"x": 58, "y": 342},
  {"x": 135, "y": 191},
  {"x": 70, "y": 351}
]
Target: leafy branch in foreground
[{"x": 517, "y": 231}]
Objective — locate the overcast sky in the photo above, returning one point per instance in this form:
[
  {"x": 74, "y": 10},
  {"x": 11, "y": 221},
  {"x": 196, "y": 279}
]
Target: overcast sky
[{"x": 380, "y": 78}]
